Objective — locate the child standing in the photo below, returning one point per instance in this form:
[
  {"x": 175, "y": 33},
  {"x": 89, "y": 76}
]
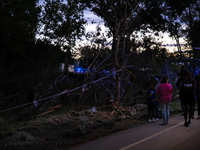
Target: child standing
[{"x": 151, "y": 95}]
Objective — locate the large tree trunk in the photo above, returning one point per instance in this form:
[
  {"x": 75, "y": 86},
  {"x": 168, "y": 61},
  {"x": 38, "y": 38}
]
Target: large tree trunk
[{"x": 118, "y": 39}]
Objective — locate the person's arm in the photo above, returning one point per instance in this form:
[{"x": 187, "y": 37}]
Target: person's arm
[
  {"x": 171, "y": 90},
  {"x": 181, "y": 85},
  {"x": 195, "y": 85},
  {"x": 156, "y": 99},
  {"x": 157, "y": 95},
  {"x": 147, "y": 94}
]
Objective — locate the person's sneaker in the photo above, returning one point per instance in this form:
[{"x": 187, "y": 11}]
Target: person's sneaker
[
  {"x": 153, "y": 119},
  {"x": 157, "y": 118},
  {"x": 149, "y": 120},
  {"x": 186, "y": 124},
  {"x": 189, "y": 122}
]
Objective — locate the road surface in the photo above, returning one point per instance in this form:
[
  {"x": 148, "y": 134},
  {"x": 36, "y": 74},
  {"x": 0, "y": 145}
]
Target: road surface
[{"x": 152, "y": 136}]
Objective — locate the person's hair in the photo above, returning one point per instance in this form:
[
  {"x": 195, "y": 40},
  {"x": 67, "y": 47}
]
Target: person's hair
[
  {"x": 189, "y": 76},
  {"x": 182, "y": 67},
  {"x": 164, "y": 79}
]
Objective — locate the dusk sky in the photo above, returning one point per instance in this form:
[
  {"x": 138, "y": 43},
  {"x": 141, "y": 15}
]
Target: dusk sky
[{"x": 89, "y": 16}]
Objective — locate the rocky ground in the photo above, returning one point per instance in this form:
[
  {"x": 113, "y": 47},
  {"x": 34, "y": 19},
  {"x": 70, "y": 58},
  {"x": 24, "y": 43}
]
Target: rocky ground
[{"x": 64, "y": 131}]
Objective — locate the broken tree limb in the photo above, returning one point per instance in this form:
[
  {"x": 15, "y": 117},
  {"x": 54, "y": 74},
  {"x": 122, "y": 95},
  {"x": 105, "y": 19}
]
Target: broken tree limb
[
  {"x": 122, "y": 113},
  {"x": 45, "y": 112},
  {"x": 54, "y": 107}
]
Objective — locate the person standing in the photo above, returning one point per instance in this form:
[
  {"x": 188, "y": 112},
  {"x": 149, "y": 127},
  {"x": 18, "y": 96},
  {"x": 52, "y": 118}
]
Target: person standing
[
  {"x": 151, "y": 95},
  {"x": 181, "y": 77},
  {"x": 164, "y": 93},
  {"x": 197, "y": 78},
  {"x": 188, "y": 89},
  {"x": 155, "y": 81}
]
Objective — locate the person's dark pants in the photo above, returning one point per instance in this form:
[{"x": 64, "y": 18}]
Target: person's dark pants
[
  {"x": 181, "y": 100},
  {"x": 182, "y": 105},
  {"x": 157, "y": 110},
  {"x": 188, "y": 102},
  {"x": 188, "y": 112},
  {"x": 193, "y": 109},
  {"x": 198, "y": 102},
  {"x": 151, "y": 110}
]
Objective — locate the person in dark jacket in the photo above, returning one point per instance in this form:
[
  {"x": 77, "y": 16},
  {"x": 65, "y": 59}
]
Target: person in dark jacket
[
  {"x": 181, "y": 77},
  {"x": 151, "y": 95},
  {"x": 188, "y": 90},
  {"x": 197, "y": 78}
]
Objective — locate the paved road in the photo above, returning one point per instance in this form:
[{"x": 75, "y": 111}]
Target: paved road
[{"x": 152, "y": 136}]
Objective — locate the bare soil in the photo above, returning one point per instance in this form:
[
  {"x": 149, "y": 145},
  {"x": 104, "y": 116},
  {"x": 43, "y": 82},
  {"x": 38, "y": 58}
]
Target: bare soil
[{"x": 70, "y": 130}]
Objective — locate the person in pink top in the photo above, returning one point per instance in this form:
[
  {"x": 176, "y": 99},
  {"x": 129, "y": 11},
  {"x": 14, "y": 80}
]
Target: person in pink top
[{"x": 164, "y": 93}]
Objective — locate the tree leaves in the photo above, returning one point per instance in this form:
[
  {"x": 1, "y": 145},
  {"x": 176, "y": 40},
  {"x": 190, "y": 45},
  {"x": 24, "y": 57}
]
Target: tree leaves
[{"x": 62, "y": 22}]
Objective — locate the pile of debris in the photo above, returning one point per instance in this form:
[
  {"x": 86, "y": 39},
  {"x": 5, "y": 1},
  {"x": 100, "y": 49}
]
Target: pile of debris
[{"x": 74, "y": 125}]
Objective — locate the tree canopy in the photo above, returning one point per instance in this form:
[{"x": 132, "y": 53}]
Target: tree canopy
[
  {"x": 33, "y": 38},
  {"x": 62, "y": 23},
  {"x": 36, "y": 38}
]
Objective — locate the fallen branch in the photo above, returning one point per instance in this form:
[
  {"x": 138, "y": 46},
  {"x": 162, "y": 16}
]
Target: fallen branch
[
  {"x": 54, "y": 107},
  {"x": 45, "y": 112},
  {"x": 122, "y": 112}
]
